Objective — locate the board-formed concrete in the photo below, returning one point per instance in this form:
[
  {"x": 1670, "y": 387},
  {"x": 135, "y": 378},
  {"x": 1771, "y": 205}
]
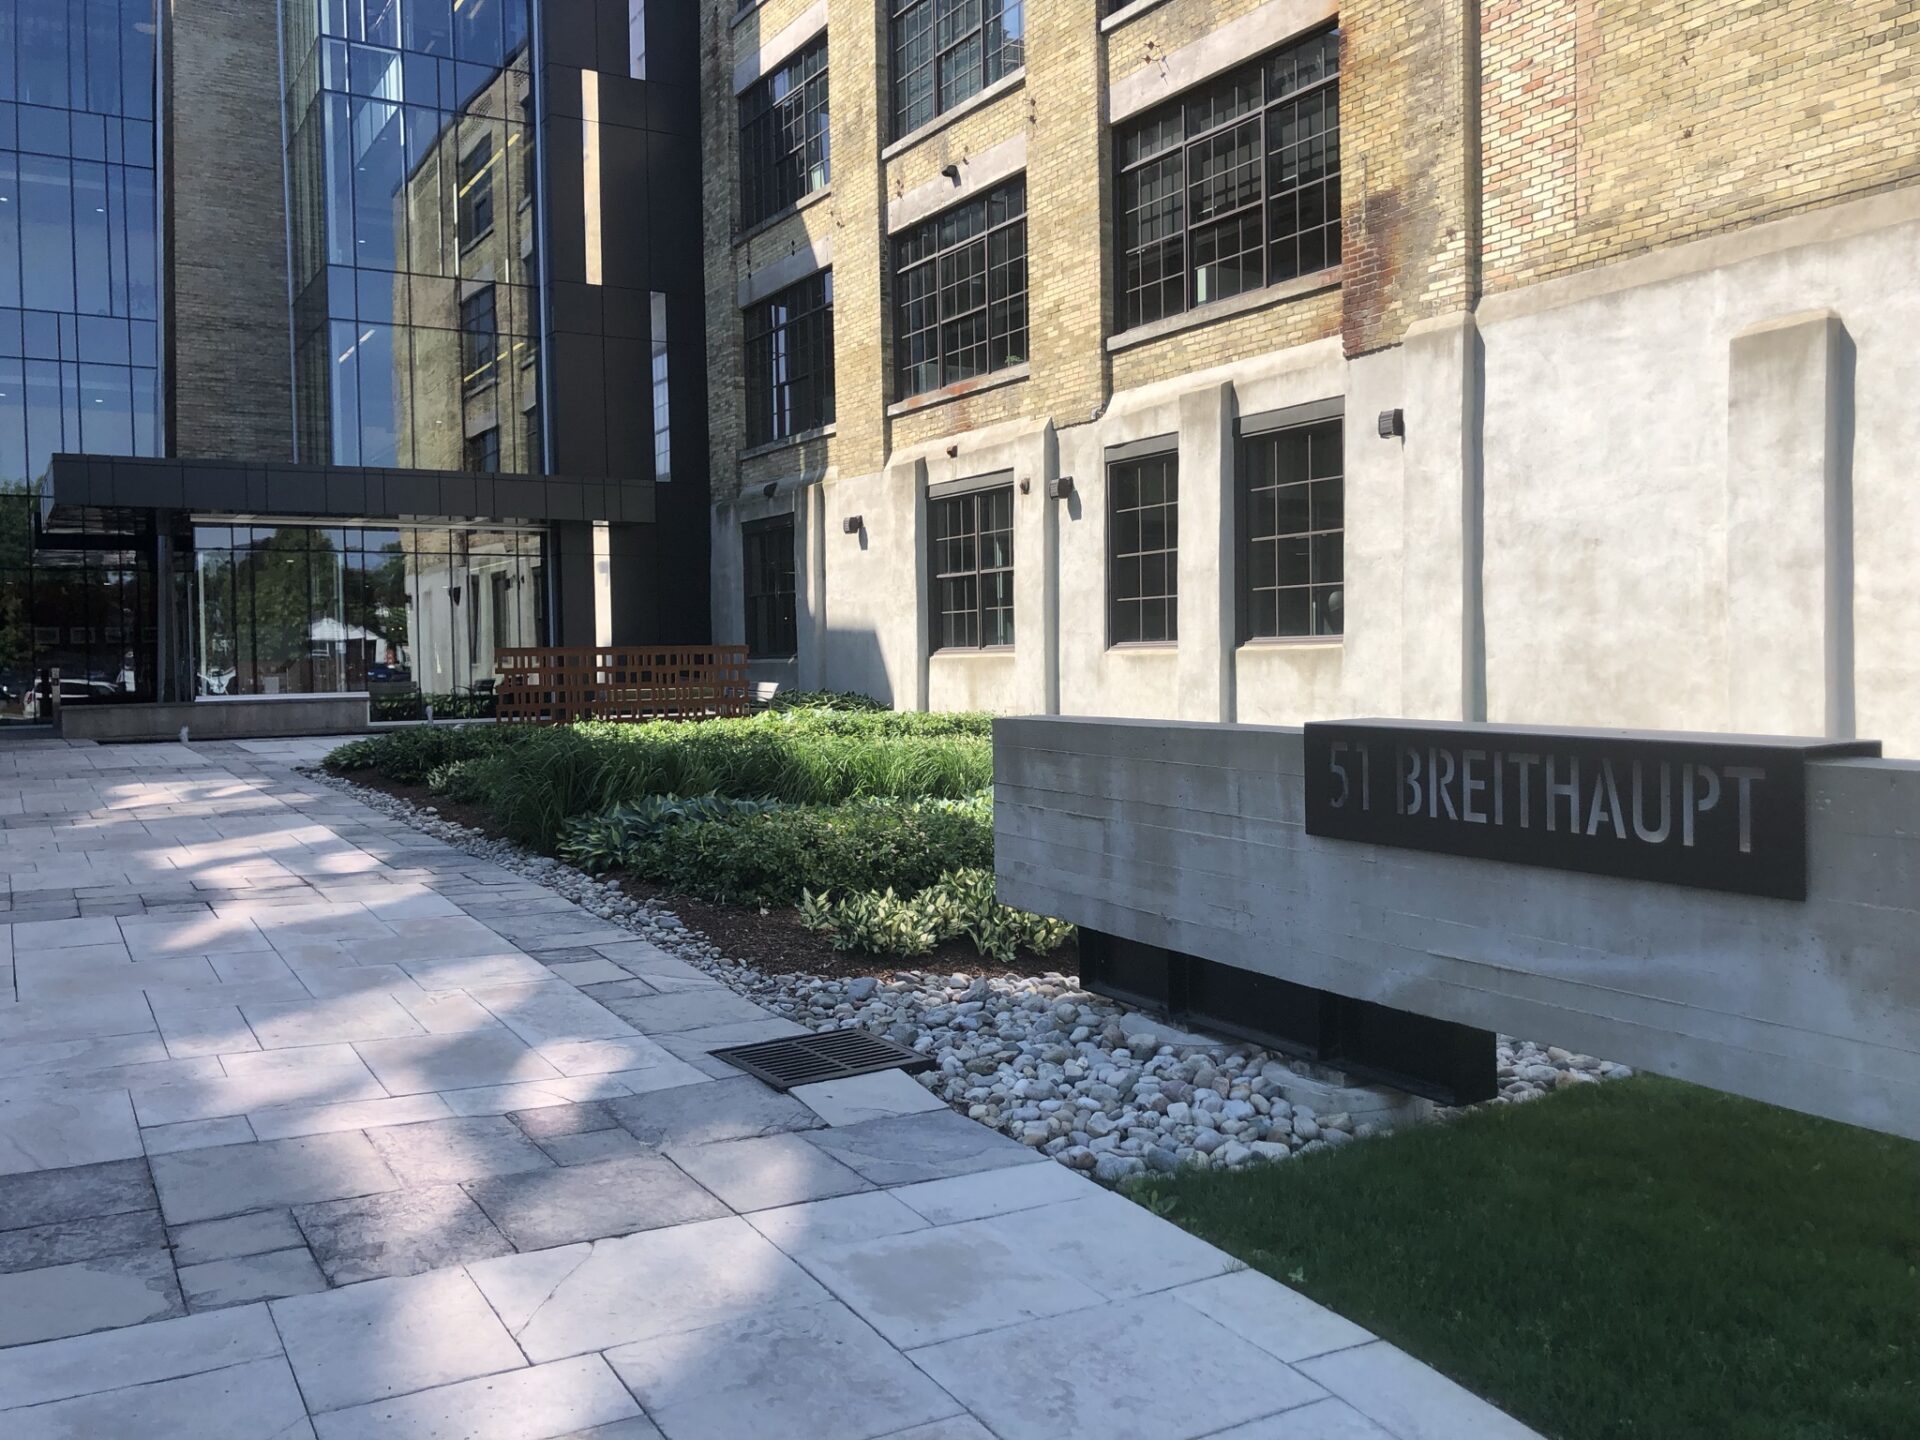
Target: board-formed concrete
[
  {"x": 326, "y": 1139},
  {"x": 1191, "y": 837}
]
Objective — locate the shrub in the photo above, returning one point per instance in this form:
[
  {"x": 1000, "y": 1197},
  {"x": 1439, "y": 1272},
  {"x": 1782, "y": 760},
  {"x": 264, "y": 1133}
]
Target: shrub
[
  {"x": 412, "y": 705},
  {"x": 754, "y": 853},
  {"x": 408, "y": 757},
  {"x": 960, "y": 905},
  {"x": 844, "y": 700},
  {"x": 796, "y": 757}
]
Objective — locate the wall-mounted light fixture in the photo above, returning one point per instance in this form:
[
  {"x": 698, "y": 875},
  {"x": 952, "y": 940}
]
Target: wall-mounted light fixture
[
  {"x": 952, "y": 172},
  {"x": 854, "y": 524},
  {"x": 1392, "y": 423},
  {"x": 770, "y": 489},
  {"x": 1060, "y": 487},
  {"x": 1026, "y": 486}
]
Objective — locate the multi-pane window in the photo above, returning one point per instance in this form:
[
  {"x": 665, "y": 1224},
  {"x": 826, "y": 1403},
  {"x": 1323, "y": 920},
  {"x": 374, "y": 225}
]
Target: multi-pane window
[
  {"x": 960, "y": 292},
  {"x": 476, "y": 192},
  {"x": 784, "y": 152},
  {"x": 483, "y": 451},
  {"x": 1234, "y": 186},
  {"x": 479, "y": 337},
  {"x": 1144, "y": 549},
  {"x": 945, "y": 51},
  {"x": 1292, "y": 517},
  {"x": 789, "y": 342},
  {"x": 972, "y": 569},
  {"x": 767, "y": 553}
]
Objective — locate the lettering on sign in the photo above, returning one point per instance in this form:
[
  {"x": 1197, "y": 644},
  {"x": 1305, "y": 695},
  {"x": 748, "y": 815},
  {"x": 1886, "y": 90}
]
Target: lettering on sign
[{"x": 1717, "y": 812}]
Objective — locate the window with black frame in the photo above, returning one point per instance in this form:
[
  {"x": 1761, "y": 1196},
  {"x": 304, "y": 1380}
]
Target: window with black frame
[
  {"x": 960, "y": 292},
  {"x": 476, "y": 192},
  {"x": 972, "y": 570},
  {"x": 767, "y": 554},
  {"x": 947, "y": 51},
  {"x": 784, "y": 147},
  {"x": 479, "y": 337},
  {"x": 789, "y": 355},
  {"x": 1144, "y": 549},
  {"x": 1232, "y": 187},
  {"x": 1292, "y": 524},
  {"x": 483, "y": 451}
]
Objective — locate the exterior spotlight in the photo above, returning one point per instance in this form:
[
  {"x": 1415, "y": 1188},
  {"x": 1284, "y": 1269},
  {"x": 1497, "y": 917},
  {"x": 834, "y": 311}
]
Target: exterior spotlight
[
  {"x": 952, "y": 172},
  {"x": 1060, "y": 487},
  {"x": 854, "y": 524},
  {"x": 1392, "y": 423},
  {"x": 770, "y": 489}
]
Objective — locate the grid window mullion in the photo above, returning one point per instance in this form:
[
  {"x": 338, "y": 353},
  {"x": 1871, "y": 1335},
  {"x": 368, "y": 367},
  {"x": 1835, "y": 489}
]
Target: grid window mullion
[
  {"x": 960, "y": 292},
  {"x": 1292, "y": 508},
  {"x": 1241, "y": 218},
  {"x": 784, "y": 138},
  {"x": 972, "y": 569}
]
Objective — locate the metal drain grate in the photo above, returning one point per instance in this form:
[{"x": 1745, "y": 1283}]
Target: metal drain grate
[{"x": 831, "y": 1055}]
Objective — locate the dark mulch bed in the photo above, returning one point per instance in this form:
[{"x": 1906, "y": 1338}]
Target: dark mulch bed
[{"x": 773, "y": 942}]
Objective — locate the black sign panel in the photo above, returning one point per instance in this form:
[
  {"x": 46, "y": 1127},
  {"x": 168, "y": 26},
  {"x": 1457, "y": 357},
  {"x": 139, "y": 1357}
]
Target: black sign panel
[{"x": 1720, "y": 812}]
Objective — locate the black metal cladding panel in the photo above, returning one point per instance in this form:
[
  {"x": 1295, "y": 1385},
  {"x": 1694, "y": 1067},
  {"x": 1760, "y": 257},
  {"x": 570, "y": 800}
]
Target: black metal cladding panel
[
  {"x": 235, "y": 487},
  {"x": 829, "y": 1055}
]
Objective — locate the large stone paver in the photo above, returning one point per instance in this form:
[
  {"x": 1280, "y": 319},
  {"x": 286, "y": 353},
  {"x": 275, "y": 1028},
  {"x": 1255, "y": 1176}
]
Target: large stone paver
[
  {"x": 567, "y": 1302},
  {"x": 1161, "y": 1376},
  {"x": 401, "y": 1232},
  {"x": 568, "y": 1397},
  {"x": 308, "y": 1049},
  {"x": 690, "y": 1382},
  {"x": 542, "y": 1209},
  {"x": 391, "y": 1337}
]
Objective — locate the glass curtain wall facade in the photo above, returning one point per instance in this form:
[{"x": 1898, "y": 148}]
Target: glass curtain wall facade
[
  {"x": 79, "y": 312},
  {"x": 411, "y": 169},
  {"x": 305, "y": 609}
]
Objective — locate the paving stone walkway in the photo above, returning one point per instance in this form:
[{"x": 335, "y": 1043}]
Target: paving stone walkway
[{"x": 310, "y": 1125}]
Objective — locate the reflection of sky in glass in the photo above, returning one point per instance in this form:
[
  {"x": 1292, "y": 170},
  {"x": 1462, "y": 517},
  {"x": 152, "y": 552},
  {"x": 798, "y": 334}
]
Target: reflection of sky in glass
[
  {"x": 412, "y": 200},
  {"x": 78, "y": 262}
]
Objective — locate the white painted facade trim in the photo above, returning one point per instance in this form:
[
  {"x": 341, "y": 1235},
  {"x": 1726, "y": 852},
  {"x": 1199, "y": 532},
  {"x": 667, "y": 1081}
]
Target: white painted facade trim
[
  {"x": 784, "y": 43},
  {"x": 977, "y": 173},
  {"x": 770, "y": 279},
  {"x": 1234, "y": 43}
]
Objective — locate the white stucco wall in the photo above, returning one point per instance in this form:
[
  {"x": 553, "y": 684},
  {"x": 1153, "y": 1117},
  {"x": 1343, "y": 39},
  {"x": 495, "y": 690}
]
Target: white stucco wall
[{"x": 1548, "y": 543}]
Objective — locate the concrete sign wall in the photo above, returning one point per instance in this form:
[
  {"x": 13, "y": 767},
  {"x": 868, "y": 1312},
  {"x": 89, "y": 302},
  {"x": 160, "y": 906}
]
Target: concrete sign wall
[{"x": 1192, "y": 837}]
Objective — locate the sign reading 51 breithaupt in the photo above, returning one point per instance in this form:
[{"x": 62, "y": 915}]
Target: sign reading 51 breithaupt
[{"x": 1720, "y": 812}]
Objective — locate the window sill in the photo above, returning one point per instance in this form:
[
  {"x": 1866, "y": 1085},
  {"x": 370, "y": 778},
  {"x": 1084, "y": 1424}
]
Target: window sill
[
  {"x": 1005, "y": 85},
  {"x": 788, "y": 442},
  {"x": 993, "y": 380},
  {"x": 971, "y": 652},
  {"x": 467, "y": 247},
  {"x": 786, "y": 212},
  {"x": 1293, "y": 642},
  {"x": 1329, "y": 279},
  {"x": 1146, "y": 647},
  {"x": 1128, "y": 12}
]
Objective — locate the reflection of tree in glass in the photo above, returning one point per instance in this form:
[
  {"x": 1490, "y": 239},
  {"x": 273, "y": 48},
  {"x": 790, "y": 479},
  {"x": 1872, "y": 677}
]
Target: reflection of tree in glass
[
  {"x": 282, "y": 610},
  {"x": 388, "y": 602},
  {"x": 219, "y": 644}
]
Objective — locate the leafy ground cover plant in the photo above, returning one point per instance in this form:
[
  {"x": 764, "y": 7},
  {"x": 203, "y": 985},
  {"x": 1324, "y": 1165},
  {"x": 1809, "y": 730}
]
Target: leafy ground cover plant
[{"x": 959, "y": 905}]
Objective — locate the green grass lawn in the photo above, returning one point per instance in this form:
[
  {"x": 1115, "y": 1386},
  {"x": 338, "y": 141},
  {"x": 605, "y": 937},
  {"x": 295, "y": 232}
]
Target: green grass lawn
[{"x": 1640, "y": 1260}]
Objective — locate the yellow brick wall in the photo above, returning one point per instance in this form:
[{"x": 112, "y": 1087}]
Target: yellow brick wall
[
  {"x": 1261, "y": 332},
  {"x": 1405, "y": 179},
  {"x": 1610, "y": 129}
]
